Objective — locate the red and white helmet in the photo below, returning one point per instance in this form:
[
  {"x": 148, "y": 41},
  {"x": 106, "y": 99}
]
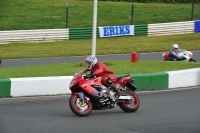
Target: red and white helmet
[{"x": 91, "y": 61}]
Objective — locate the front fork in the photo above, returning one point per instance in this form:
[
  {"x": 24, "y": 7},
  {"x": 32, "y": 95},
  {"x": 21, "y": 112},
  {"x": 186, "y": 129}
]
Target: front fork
[{"x": 81, "y": 96}]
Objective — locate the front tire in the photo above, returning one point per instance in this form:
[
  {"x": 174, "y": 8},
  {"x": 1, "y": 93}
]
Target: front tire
[
  {"x": 130, "y": 105},
  {"x": 79, "y": 108}
]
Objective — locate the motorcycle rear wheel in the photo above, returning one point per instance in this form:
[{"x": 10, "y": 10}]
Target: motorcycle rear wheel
[
  {"x": 130, "y": 105},
  {"x": 192, "y": 60},
  {"x": 79, "y": 108}
]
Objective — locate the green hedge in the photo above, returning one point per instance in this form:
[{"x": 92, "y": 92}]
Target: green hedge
[{"x": 150, "y": 1}]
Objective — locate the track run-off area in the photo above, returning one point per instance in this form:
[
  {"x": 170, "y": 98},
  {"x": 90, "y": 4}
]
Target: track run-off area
[
  {"x": 166, "y": 111},
  {"x": 56, "y": 60}
]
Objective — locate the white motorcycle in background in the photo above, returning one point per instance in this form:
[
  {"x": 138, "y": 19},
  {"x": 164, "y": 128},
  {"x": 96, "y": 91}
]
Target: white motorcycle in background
[{"x": 186, "y": 55}]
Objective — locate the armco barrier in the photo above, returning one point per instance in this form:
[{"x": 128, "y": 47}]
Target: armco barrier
[
  {"x": 159, "y": 29},
  {"x": 197, "y": 26},
  {"x": 82, "y": 33},
  {"x": 60, "y": 85},
  {"x": 141, "y": 30},
  {"x": 44, "y": 35}
]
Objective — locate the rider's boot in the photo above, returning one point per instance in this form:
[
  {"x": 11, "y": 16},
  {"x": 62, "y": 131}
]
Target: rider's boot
[{"x": 118, "y": 93}]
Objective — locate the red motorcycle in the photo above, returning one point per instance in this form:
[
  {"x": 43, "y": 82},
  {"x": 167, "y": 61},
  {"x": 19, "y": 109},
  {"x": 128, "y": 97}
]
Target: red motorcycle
[{"x": 90, "y": 94}]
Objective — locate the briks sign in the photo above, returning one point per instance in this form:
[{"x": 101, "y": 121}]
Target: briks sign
[{"x": 111, "y": 31}]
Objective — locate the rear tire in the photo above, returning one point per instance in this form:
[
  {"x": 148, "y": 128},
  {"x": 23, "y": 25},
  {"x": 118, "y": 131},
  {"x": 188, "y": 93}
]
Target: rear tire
[
  {"x": 78, "y": 108},
  {"x": 130, "y": 105},
  {"x": 192, "y": 60}
]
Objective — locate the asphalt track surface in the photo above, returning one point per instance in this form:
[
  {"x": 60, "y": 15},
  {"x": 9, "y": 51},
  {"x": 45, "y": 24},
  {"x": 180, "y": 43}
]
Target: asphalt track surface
[
  {"x": 57, "y": 60},
  {"x": 159, "y": 112}
]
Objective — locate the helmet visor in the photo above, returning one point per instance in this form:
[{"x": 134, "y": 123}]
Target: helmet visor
[
  {"x": 88, "y": 64},
  {"x": 175, "y": 48}
]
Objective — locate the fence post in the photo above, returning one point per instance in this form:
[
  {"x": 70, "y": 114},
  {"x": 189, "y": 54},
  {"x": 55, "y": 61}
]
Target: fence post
[
  {"x": 132, "y": 11},
  {"x": 66, "y": 13},
  {"x": 192, "y": 15}
]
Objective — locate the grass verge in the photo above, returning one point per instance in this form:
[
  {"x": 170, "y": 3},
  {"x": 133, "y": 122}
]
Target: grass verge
[
  {"x": 51, "y": 14},
  {"x": 119, "y": 67},
  {"x": 116, "y": 45}
]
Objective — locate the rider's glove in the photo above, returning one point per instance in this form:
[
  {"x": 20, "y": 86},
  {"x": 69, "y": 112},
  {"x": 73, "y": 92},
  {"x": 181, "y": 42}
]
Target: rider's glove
[
  {"x": 86, "y": 70},
  {"x": 91, "y": 75}
]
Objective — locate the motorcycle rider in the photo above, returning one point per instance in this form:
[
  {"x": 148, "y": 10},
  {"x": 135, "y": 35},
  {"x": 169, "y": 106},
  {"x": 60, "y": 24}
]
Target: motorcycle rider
[
  {"x": 173, "y": 53},
  {"x": 99, "y": 69}
]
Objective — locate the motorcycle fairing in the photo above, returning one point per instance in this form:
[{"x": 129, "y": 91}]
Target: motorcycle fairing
[
  {"x": 92, "y": 90},
  {"x": 86, "y": 85}
]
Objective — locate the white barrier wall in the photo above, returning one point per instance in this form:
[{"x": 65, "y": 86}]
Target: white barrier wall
[
  {"x": 184, "y": 78},
  {"x": 60, "y": 85},
  {"x": 40, "y": 86},
  {"x": 44, "y": 35},
  {"x": 170, "y": 28}
]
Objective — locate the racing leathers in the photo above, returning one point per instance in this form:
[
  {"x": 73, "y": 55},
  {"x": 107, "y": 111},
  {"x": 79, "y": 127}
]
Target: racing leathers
[
  {"x": 108, "y": 76},
  {"x": 173, "y": 56}
]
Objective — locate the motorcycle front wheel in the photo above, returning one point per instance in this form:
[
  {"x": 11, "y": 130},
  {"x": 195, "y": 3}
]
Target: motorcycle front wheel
[
  {"x": 130, "y": 105},
  {"x": 78, "y": 107}
]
